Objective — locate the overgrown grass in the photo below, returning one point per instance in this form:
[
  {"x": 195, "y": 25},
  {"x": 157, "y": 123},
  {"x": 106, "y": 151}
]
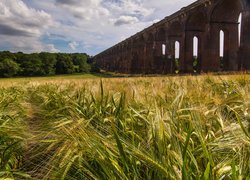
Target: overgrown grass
[{"x": 130, "y": 128}]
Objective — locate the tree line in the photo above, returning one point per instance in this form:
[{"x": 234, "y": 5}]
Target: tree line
[{"x": 44, "y": 64}]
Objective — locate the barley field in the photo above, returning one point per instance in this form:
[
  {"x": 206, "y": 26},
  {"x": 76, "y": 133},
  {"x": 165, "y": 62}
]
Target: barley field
[{"x": 86, "y": 127}]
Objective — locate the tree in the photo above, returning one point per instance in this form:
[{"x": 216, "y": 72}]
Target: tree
[
  {"x": 7, "y": 55},
  {"x": 80, "y": 61},
  {"x": 32, "y": 65},
  {"x": 8, "y": 68},
  {"x": 44, "y": 63},
  {"x": 48, "y": 63},
  {"x": 95, "y": 68},
  {"x": 64, "y": 64}
]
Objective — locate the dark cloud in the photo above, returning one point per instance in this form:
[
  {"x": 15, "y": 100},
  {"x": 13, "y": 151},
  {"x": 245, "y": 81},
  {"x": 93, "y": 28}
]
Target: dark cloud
[
  {"x": 121, "y": 22},
  {"x": 68, "y": 2},
  {"x": 10, "y": 31},
  {"x": 33, "y": 24},
  {"x": 58, "y": 36}
]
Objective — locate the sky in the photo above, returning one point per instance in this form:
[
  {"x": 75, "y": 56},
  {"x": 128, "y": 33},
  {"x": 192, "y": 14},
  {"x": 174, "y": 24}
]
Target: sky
[{"x": 84, "y": 26}]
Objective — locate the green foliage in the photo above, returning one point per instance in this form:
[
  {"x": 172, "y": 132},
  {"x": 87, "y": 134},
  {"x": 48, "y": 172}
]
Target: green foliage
[
  {"x": 196, "y": 64},
  {"x": 44, "y": 64},
  {"x": 64, "y": 64},
  {"x": 32, "y": 65},
  {"x": 80, "y": 61},
  {"x": 95, "y": 68},
  {"x": 177, "y": 65},
  {"x": 9, "y": 68},
  {"x": 49, "y": 62},
  {"x": 7, "y": 55}
]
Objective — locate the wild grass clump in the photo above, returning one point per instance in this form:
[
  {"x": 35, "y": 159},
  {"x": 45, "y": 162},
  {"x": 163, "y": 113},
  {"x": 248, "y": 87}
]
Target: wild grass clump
[{"x": 138, "y": 128}]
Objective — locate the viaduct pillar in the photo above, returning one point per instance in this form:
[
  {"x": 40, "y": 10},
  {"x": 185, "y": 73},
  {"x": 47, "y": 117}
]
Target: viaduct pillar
[
  {"x": 149, "y": 57},
  {"x": 244, "y": 53},
  {"x": 189, "y": 58}
]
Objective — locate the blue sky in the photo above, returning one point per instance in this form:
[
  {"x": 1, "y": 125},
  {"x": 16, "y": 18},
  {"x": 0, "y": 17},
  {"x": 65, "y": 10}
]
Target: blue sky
[{"x": 89, "y": 26}]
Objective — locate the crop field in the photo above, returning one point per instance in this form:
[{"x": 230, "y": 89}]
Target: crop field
[{"x": 88, "y": 127}]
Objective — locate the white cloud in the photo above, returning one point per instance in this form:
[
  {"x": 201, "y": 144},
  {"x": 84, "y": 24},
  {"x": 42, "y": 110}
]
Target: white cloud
[
  {"x": 21, "y": 26},
  {"x": 26, "y": 44},
  {"x": 84, "y": 9},
  {"x": 73, "y": 45},
  {"x": 93, "y": 25},
  {"x": 125, "y": 20},
  {"x": 19, "y": 20},
  {"x": 129, "y": 7},
  {"x": 50, "y": 48},
  {"x": 98, "y": 23}
]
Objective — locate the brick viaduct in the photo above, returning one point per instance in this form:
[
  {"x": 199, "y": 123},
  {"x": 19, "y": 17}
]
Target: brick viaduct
[{"x": 204, "y": 20}]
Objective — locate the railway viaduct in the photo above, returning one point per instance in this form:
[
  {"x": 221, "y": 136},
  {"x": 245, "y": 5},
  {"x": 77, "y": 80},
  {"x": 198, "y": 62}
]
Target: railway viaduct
[{"x": 204, "y": 21}]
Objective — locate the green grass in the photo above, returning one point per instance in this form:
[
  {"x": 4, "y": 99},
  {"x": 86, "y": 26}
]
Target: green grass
[
  {"x": 55, "y": 77},
  {"x": 79, "y": 127}
]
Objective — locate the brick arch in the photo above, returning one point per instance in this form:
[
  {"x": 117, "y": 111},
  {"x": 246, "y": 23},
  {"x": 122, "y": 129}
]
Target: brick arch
[
  {"x": 140, "y": 38},
  {"x": 224, "y": 16},
  {"x": 175, "y": 32},
  {"x": 196, "y": 26},
  {"x": 160, "y": 39},
  {"x": 175, "y": 28},
  {"x": 160, "y": 58},
  {"x": 226, "y": 11},
  {"x": 161, "y": 34},
  {"x": 150, "y": 37},
  {"x": 197, "y": 21}
]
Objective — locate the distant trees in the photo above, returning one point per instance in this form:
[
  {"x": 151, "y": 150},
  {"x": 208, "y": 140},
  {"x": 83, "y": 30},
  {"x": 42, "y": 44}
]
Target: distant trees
[
  {"x": 44, "y": 64},
  {"x": 31, "y": 65},
  {"x": 8, "y": 68},
  {"x": 81, "y": 63},
  {"x": 64, "y": 64},
  {"x": 49, "y": 61}
]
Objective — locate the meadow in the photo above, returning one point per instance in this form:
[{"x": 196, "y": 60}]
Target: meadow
[{"x": 88, "y": 127}]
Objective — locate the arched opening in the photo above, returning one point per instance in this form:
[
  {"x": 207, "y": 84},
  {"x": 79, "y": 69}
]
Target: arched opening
[
  {"x": 163, "y": 49},
  {"x": 222, "y": 45},
  {"x": 195, "y": 27},
  {"x": 239, "y": 27},
  {"x": 195, "y": 53},
  {"x": 177, "y": 56},
  {"x": 225, "y": 18},
  {"x": 174, "y": 46}
]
